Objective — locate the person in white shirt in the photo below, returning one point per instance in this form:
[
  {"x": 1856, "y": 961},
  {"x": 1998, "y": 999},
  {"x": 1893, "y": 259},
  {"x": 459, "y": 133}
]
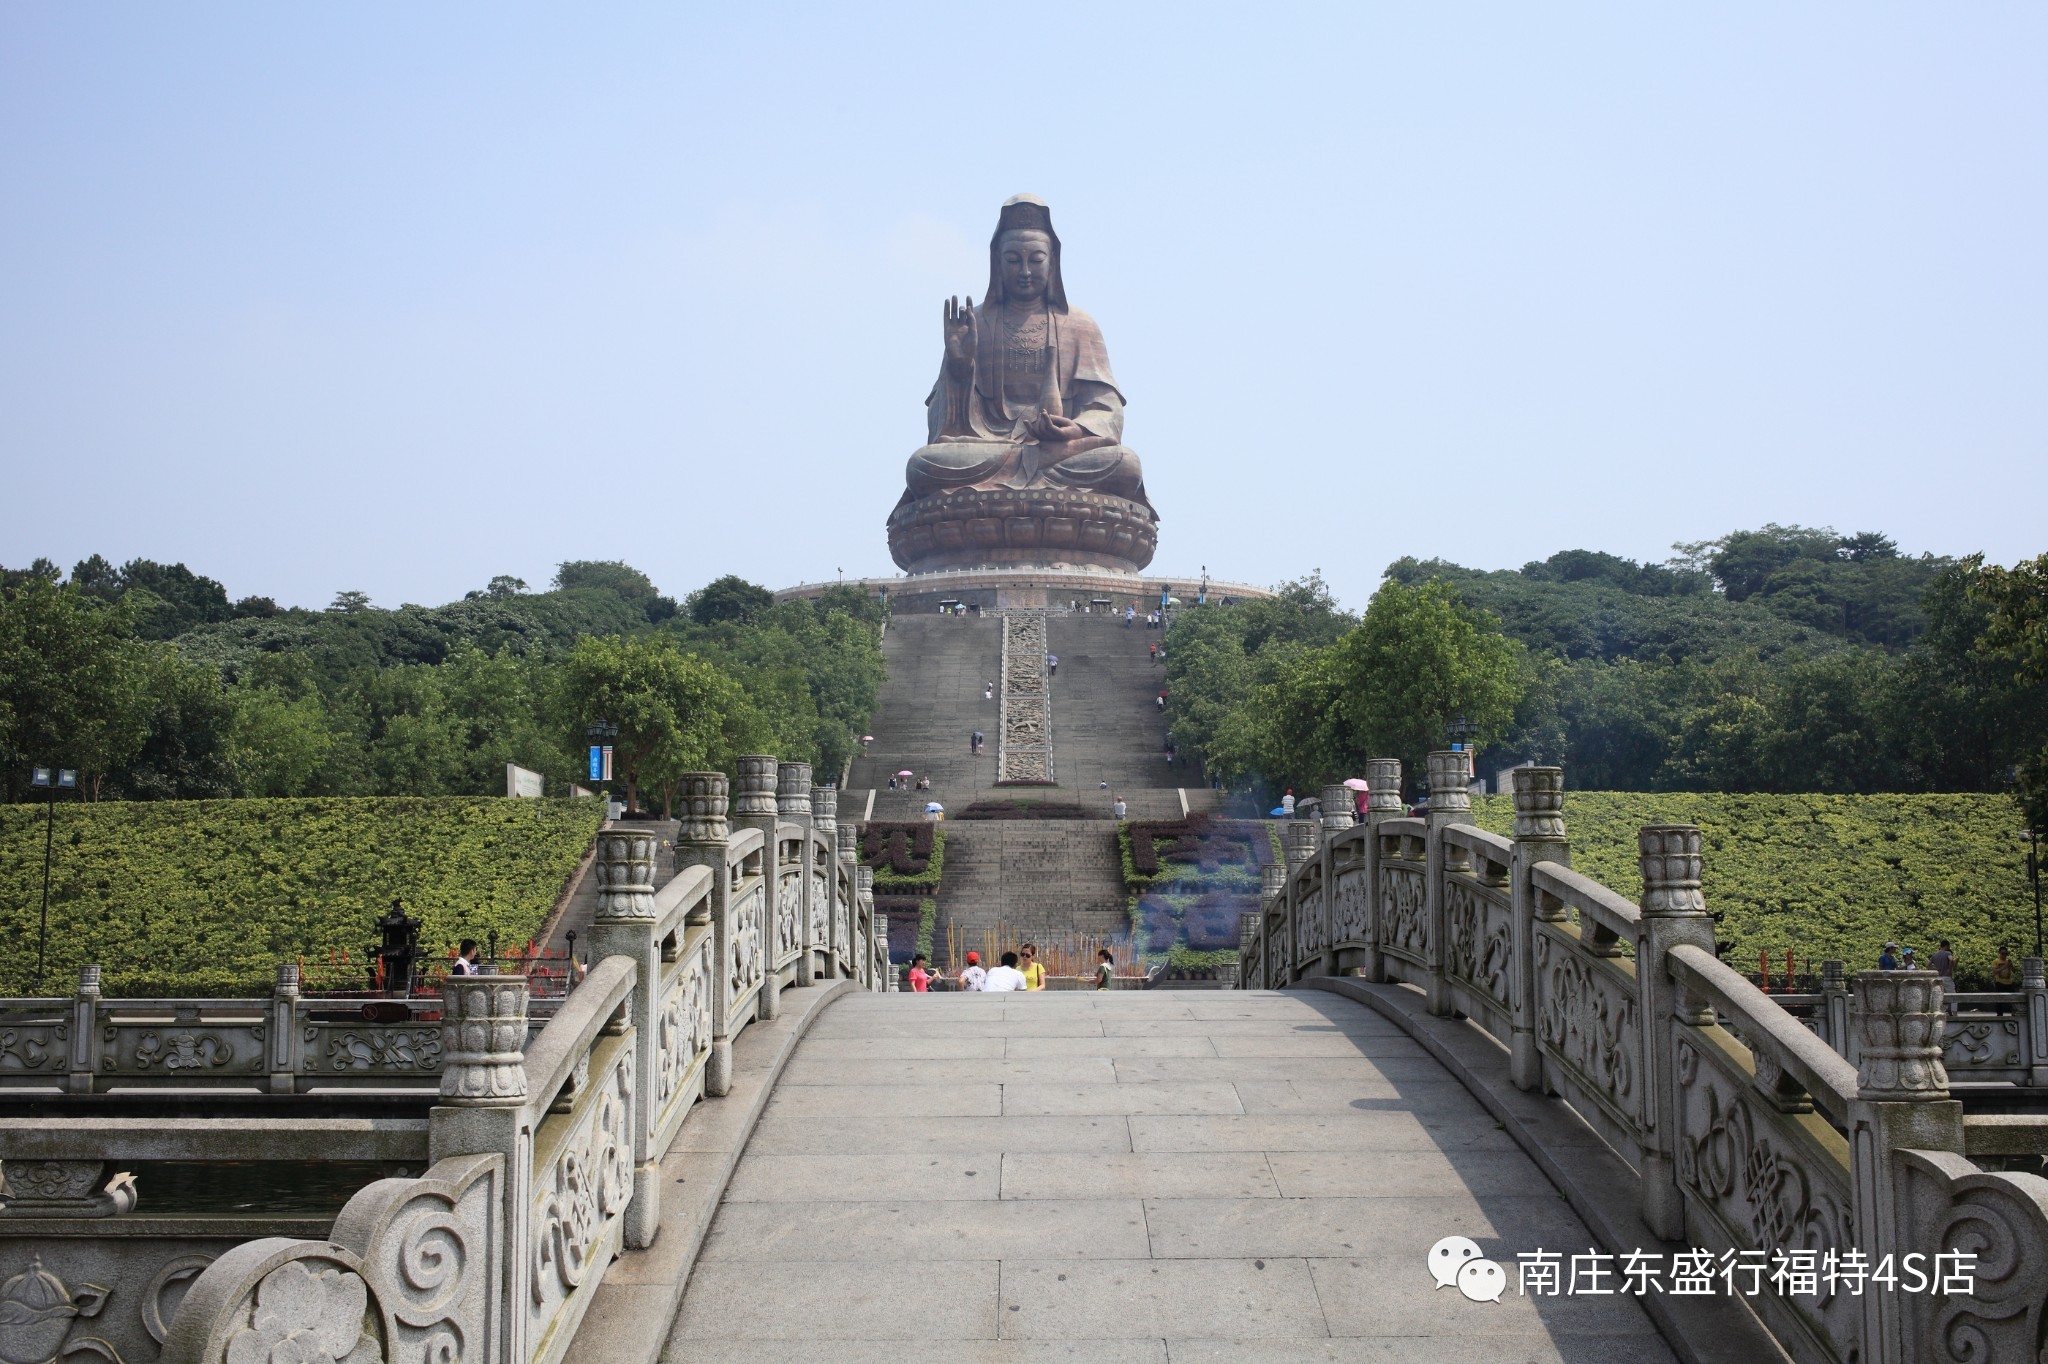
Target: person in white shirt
[
  {"x": 1006, "y": 976},
  {"x": 972, "y": 977},
  {"x": 1287, "y": 802}
]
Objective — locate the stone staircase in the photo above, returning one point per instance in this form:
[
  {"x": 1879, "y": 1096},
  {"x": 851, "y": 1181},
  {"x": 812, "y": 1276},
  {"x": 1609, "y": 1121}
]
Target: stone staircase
[{"x": 1032, "y": 876}]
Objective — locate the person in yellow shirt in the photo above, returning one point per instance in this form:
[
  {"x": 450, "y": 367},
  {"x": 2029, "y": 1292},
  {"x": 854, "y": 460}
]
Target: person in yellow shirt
[{"x": 1034, "y": 972}]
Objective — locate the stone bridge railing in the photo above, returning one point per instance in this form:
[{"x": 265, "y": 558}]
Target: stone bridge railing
[
  {"x": 1746, "y": 1131},
  {"x": 542, "y": 1154}
]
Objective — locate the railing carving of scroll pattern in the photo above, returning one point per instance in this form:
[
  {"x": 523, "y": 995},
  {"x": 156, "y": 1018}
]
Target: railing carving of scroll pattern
[
  {"x": 744, "y": 967},
  {"x": 1478, "y": 929},
  {"x": 1587, "y": 1019}
]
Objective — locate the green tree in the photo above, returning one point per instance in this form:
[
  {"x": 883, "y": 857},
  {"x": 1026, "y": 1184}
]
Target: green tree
[
  {"x": 669, "y": 706},
  {"x": 731, "y": 598},
  {"x": 277, "y": 744},
  {"x": 1417, "y": 660},
  {"x": 68, "y": 669}
]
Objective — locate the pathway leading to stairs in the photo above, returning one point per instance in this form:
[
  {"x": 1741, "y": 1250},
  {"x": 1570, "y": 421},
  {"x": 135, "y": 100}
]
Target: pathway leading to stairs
[{"x": 1159, "y": 1176}]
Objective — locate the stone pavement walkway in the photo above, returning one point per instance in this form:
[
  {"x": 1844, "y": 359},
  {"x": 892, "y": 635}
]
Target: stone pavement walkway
[{"x": 1164, "y": 1176}]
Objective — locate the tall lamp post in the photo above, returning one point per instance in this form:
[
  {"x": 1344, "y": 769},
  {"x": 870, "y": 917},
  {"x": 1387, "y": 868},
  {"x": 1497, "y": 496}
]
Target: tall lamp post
[
  {"x": 53, "y": 781},
  {"x": 2033, "y": 837},
  {"x": 601, "y": 733}
]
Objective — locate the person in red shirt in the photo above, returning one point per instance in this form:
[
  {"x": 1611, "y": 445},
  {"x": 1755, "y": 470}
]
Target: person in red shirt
[{"x": 920, "y": 975}]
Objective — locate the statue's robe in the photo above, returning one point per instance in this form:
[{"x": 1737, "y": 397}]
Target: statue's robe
[
  {"x": 978, "y": 408},
  {"x": 975, "y": 422}
]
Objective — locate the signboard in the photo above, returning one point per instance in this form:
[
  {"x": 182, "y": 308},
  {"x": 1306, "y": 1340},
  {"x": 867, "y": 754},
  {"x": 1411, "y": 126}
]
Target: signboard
[
  {"x": 520, "y": 782},
  {"x": 601, "y": 762}
]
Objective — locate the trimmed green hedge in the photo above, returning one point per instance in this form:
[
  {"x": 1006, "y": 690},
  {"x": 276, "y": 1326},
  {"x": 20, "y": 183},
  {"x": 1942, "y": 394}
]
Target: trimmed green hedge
[
  {"x": 1826, "y": 876},
  {"x": 205, "y": 897},
  {"x": 908, "y": 857}
]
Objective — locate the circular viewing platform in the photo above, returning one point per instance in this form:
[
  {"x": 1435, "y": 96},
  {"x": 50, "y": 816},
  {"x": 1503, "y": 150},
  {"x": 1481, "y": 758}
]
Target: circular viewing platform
[{"x": 1001, "y": 587}]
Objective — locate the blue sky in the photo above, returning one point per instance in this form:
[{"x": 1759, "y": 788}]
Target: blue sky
[{"x": 395, "y": 298}]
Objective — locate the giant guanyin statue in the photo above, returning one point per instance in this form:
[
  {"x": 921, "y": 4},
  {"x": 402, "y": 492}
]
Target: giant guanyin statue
[{"x": 1024, "y": 462}]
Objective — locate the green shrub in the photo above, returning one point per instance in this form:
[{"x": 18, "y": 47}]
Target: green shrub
[
  {"x": 1826, "y": 876},
  {"x": 205, "y": 897},
  {"x": 908, "y": 857}
]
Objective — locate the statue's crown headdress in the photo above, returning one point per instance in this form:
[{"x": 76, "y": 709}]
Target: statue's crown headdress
[{"x": 1027, "y": 212}]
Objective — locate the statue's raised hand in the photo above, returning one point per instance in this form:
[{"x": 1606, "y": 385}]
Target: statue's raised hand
[{"x": 960, "y": 333}]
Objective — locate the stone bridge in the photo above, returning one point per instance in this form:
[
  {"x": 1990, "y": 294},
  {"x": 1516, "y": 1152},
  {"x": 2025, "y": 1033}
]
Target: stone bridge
[{"x": 733, "y": 1142}]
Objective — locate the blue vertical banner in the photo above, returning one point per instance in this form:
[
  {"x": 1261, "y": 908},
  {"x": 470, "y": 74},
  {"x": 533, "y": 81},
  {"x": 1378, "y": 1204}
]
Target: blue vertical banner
[{"x": 596, "y": 763}]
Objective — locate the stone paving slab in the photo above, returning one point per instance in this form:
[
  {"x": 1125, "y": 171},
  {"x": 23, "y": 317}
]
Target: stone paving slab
[
  {"x": 1212, "y": 1096},
  {"x": 1159, "y": 1298},
  {"x": 907, "y": 1229},
  {"x": 1248, "y": 1178},
  {"x": 828, "y": 1103},
  {"x": 1402, "y": 1227},
  {"x": 883, "y": 1076},
  {"x": 827, "y": 1177},
  {"x": 1197, "y": 1045},
  {"x": 1142, "y": 1070},
  {"x": 783, "y": 1134},
  {"x": 942, "y": 1348},
  {"x": 1362, "y": 1131},
  {"x": 810, "y": 1300},
  {"x": 1511, "y": 1348},
  {"x": 1139, "y": 1174}
]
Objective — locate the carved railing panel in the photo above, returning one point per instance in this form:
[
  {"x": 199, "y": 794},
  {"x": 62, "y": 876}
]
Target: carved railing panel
[
  {"x": 1479, "y": 943},
  {"x": 34, "y": 1040},
  {"x": 1349, "y": 905},
  {"x": 2002, "y": 1221},
  {"x": 364, "y": 1050},
  {"x": 186, "y": 1046},
  {"x": 1588, "y": 1021},
  {"x": 683, "y": 1034},
  {"x": 1764, "y": 1180},
  {"x": 1404, "y": 910},
  {"x": 744, "y": 967},
  {"x": 582, "y": 1181},
  {"x": 789, "y": 905}
]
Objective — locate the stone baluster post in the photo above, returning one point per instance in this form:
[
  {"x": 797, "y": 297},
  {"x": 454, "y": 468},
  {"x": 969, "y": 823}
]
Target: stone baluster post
[
  {"x": 2034, "y": 1002},
  {"x": 284, "y": 1029},
  {"x": 849, "y": 860},
  {"x": 483, "y": 1111},
  {"x": 1383, "y": 796},
  {"x": 1273, "y": 937},
  {"x": 1902, "y": 1103},
  {"x": 1674, "y": 912},
  {"x": 1450, "y": 802},
  {"x": 1339, "y": 809},
  {"x": 624, "y": 926},
  {"x": 1298, "y": 844},
  {"x": 861, "y": 924},
  {"x": 1383, "y": 802},
  {"x": 755, "y": 807},
  {"x": 1539, "y": 838},
  {"x": 820, "y": 876},
  {"x": 1834, "y": 1009},
  {"x": 85, "y": 1031},
  {"x": 793, "y": 806},
  {"x": 701, "y": 842}
]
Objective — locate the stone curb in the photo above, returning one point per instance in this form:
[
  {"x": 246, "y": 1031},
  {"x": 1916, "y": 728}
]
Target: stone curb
[
  {"x": 1597, "y": 1183},
  {"x": 629, "y": 1319}
]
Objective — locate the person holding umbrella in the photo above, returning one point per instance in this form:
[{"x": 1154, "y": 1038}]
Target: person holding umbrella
[{"x": 934, "y": 812}]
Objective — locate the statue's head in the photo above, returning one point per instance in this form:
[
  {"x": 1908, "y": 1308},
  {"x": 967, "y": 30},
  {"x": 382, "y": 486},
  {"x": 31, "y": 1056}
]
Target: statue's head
[{"x": 1024, "y": 255}]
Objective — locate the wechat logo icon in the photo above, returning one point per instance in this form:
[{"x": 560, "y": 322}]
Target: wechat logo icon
[{"x": 1456, "y": 1261}]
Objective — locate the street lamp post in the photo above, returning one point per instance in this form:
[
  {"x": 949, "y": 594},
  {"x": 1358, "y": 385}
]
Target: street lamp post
[
  {"x": 601, "y": 733},
  {"x": 66, "y": 779},
  {"x": 2034, "y": 875}
]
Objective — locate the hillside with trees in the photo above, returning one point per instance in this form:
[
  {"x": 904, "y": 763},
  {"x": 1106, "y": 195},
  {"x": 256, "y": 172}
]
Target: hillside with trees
[
  {"x": 1785, "y": 659},
  {"x": 155, "y": 685}
]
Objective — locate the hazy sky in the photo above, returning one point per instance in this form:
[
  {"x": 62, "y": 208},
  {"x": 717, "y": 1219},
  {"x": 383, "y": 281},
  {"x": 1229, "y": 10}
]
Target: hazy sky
[{"x": 398, "y": 297}]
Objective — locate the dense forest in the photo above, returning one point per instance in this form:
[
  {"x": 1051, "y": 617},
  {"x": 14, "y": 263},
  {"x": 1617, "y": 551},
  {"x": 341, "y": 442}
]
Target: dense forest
[
  {"x": 1785, "y": 659},
  {"x": 152, "y": 683}
]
